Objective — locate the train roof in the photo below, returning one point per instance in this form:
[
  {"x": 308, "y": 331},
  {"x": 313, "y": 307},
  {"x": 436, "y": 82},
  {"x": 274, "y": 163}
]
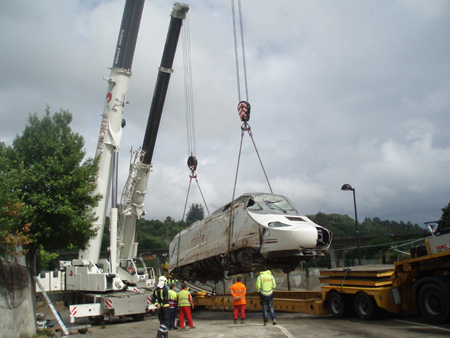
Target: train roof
[{"x": 254, "y": 198}]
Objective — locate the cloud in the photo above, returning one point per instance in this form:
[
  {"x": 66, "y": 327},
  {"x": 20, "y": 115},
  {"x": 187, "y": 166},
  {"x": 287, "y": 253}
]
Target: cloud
[{"x": 341, "y": 92}]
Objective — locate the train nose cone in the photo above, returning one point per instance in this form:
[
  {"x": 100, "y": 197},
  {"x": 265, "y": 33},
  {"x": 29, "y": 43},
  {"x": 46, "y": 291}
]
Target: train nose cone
[{"x": 305, "y": 237}]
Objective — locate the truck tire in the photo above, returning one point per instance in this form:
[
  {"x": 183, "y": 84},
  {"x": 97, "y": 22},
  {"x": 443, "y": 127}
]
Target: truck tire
[
  {"x": 433, "y": 303},
  {"x": 365, "y": 306},
  {"x": 337, "y": 305}
]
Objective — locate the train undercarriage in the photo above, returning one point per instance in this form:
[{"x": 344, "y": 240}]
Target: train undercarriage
[{"x": 240, "y": 261}]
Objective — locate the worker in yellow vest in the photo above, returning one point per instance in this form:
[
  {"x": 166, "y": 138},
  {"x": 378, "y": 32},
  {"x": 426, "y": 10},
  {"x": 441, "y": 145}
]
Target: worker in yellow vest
[
  {"x": 238, "y": 291},
  {"x": 265, "y": 284},
  {"x": 184, "y": 307},
  {"x": 173, "y": 307}
]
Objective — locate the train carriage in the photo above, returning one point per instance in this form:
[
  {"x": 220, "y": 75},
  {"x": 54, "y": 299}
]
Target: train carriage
[{"x": 256, "y": 229}]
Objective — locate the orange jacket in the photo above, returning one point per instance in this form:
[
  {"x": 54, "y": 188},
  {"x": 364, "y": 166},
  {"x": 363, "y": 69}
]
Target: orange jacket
[{"x": 238, "y": 291}]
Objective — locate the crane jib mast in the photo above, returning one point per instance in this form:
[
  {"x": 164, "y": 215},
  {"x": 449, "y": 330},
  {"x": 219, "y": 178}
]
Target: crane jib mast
[
  {"x": 89, "y": 272},
  {"x": 133, "y": 204},
  {"x": 91, "y": 275},
  {"x": 111, "y": 124}
]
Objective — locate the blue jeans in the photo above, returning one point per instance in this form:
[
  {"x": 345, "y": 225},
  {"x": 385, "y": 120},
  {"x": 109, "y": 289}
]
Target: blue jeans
[
  {"x": 267, "y": 301},
  {"x": 173, "y": 315}
]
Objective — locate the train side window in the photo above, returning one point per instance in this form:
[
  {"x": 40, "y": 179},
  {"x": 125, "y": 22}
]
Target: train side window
[{"x": 252, "y": 205}]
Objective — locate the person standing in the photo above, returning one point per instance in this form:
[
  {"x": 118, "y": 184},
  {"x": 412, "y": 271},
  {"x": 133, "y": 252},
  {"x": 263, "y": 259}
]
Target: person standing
[
  {"x": 161, "y": 301},
  {"x": 184, "y": 307},
  {"x": 238, "y": 291},
  {"x": 265, "y": 284},
  {"x": 173, "y": 303}
]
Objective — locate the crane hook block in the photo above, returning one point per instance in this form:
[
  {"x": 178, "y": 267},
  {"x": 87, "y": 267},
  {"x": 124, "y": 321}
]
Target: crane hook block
[
  {"x": 192, "y": 163},
  {"x": 244, "y": 111}
]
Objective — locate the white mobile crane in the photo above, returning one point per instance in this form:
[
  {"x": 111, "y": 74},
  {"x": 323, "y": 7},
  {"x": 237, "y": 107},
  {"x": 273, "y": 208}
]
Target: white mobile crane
[{"x": 101, "y": 286}]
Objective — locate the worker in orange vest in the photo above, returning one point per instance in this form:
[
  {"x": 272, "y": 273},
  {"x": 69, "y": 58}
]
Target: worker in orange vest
[{"x": 238, "y": 291}]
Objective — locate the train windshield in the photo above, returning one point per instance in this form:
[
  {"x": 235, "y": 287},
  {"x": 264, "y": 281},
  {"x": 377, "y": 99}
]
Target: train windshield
[{"x": 274, "y": 203}]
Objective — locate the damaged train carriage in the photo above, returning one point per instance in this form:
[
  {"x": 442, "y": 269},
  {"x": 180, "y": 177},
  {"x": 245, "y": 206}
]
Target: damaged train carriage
[{"x": 256, "y": 229}]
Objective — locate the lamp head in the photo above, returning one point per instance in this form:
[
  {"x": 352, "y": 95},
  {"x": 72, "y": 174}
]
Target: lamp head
[{"x": 347, "y": 187}]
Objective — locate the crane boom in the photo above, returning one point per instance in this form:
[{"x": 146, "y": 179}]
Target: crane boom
[
  {"x": 94, "y": 280},
  {"x": 111, "y": 124},
  {"x": 133, "y": 198}
]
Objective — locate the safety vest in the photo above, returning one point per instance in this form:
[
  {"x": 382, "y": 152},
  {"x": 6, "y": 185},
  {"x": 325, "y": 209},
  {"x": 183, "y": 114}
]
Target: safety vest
[
  {"x": 172, "y": 298},
  {"x": 183, "y": 298},
  {"x": 158, "y": 297},
  {"x": 265, "y": 283},
  {"x": 238, "y": 291}
]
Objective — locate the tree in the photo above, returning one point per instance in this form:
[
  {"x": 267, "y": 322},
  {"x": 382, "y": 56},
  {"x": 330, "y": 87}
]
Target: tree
[
  {"x": 55, "y": 184},
  {"x": 14, "y": 231},
  {"x": 195, "y": 213},
  {"x": 444, "y": 222}
]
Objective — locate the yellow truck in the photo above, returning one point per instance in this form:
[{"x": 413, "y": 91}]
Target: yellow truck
[{"x": 420, "y": 284}]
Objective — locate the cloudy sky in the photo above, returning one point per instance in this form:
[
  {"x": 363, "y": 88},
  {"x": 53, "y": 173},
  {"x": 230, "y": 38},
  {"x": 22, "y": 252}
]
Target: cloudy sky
[{"x": 348, "y": 91}]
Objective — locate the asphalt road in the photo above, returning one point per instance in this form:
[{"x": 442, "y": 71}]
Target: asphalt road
[{"x": 220, "y": 324}]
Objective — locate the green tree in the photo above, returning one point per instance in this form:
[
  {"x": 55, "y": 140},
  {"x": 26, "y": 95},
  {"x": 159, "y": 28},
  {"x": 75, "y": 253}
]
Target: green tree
[
  {"x": 344, "y": 226},
  {"x": 444, "y": 222},
  {"x": 14, "y": 231},
  {"x": 55, "y": 183},
  {"x": 195, "y": 213},
  {"x": 44, "y": 258},
  {"x": 376, "y": 247}
]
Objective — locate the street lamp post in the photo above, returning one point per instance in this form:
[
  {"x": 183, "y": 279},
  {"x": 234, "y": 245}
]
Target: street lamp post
[{"x": 349, "y": 187}]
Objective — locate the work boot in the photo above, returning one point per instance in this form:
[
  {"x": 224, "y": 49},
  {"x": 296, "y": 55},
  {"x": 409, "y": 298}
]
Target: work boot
[
  {"x": 274, "y": 322},
  {"x": 235, "y": 321},
  {"x": 242, "y": 321},
  {"x": 265, "y": 323}
]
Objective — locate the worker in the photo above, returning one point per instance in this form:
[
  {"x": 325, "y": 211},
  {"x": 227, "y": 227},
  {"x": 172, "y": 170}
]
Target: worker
[
  {"x": 173, "y": 307},
  {"x": 184, "y": 307},
  {"x": 238, "y": 291},
  {"x": 265, "y": 284},
  {"x": 161, "y": 301},
  {"x": 172, "y": 281}
]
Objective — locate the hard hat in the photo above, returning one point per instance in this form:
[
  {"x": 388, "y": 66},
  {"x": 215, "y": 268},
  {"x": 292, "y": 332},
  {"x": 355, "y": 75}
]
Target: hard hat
[{"x": 162, "y": 280}]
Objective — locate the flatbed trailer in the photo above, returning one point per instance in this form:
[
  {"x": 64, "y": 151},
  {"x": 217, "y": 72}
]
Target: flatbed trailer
[
  {"x": 289, "y": 301},
  {"x": 419, "y": 285},
  {"x": 360, "y": 289}
]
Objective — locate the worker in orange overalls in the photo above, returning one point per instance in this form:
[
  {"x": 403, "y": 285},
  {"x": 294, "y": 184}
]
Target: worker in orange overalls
[
  {"x": 238, "y": 291},
  {"x": 184, "y": 307}
]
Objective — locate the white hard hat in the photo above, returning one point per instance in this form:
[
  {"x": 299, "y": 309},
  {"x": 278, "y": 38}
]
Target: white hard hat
[{"x": 162, "y": 280}]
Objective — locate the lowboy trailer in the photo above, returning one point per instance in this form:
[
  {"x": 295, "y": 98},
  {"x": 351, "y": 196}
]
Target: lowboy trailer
[{"x": 418, "y": 285}]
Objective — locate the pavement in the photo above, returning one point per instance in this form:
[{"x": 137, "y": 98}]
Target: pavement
[{"x": 219, "y": 324}]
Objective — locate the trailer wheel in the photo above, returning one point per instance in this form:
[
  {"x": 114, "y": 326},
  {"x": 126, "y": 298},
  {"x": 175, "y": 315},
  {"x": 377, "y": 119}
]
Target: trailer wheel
[
  {"x": 365, "y": 306},
  {"x": 433, "y": 303},
  {"x": 337, "y": 305}
]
